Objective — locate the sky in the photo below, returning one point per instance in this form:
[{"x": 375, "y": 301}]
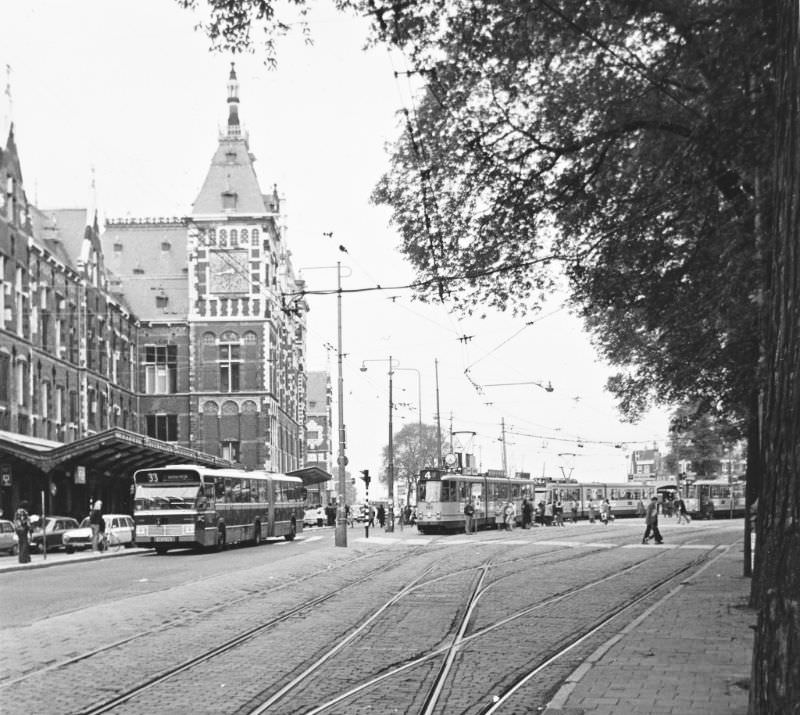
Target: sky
[{"x": 127, "y": 93}]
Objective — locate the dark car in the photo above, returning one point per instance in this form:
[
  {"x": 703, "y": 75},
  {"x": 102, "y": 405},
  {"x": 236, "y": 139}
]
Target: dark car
[{"x": 54, "y": 528}]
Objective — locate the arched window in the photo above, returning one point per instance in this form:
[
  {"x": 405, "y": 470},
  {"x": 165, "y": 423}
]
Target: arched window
[
  {"x": 255, "y": 236},
  {"x": 250, "y": 338},
  {"x": 209, "y": 338},
  {"x": 230, "y": 408},
  {"x": 210, "y": 408},
  {"x": 234, "y": 237},
  {"x": 229, "y": 337},
  {"x": 244, "y": 236},
  {"x": 249, "y": 407},
  {"x": 212, "y": 237},
  {"x": 223, "y": 237}
]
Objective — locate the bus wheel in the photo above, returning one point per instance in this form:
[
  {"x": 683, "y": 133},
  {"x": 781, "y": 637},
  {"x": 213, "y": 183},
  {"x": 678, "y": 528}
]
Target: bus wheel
[
  {"x": 257, "y": 534},
  {"x": 292, "y": 531}
]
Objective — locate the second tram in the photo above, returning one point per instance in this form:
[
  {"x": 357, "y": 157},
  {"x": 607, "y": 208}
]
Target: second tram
[
  {"x": 707, "y": 498},
  {"x": 625, "y": 498}
]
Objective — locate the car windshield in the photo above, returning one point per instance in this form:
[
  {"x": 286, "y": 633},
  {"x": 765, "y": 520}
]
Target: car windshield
[{"x": 148, "y": 498}]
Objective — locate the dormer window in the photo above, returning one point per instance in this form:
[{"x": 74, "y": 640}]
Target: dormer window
[
  {"x": 165, "y": 246},
  {"x": 118, "y": 247},
  {"x": 230, "y": 157},
  {"x": 229, "y": 200},
  {"x": 161, "y": 301}
]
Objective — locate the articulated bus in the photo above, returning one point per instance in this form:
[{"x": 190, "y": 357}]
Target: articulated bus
[
  {"x": 441, "y": 497},
  {"x": 186, "y": 505}
]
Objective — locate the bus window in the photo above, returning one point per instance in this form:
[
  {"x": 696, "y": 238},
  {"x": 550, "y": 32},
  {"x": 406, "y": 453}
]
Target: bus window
[
  {"x": 515, "y": 491},
  {"x": 262, "y": 491}
]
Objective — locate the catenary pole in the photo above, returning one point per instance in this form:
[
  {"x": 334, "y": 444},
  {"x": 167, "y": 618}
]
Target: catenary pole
[{"x": 341, "y": 515}]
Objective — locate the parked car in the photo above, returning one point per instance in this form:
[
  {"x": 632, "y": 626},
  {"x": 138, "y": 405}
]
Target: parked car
[
  {"x": 54, "y": 528},
  {"x": 314, "y": 516},
  {"x": 8, "y": 537},
  {"x": 119, "y": 527}
]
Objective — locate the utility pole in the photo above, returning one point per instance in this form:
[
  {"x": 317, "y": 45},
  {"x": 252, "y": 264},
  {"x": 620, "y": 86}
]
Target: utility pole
[
  {"x": 438, "y": 420},
  {"x": 390, "y": 515},
  {"x": 503, "y": 439},
  {"x": 341, "y": 514}
]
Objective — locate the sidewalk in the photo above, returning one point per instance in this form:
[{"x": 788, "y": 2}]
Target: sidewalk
[
  {"x": 60, "y": 558},
  {"x": 689, "y": 654}
]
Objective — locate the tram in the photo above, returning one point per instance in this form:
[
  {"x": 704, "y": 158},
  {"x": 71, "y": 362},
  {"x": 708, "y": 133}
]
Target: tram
[
  {"x": 441, "y": 497},
  {"x": 187, "y": 505},
  {"x": 625, "y": 498},
  {"x": 707, "y": 498}
]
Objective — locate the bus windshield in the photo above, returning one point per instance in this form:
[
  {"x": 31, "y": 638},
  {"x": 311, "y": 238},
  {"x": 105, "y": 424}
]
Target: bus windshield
[{"x": 158, "y": 496}]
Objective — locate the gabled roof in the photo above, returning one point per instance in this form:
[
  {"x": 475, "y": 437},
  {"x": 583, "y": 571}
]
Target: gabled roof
[
  {"x": 62, "y": 231},
  {"x": 231, "y": 171},
  {"x": 148, "y": 262}
]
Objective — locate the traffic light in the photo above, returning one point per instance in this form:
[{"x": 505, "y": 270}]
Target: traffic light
[{"x": 365, "y": 476}]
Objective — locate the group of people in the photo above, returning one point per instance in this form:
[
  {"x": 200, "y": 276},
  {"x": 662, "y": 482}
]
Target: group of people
[{"x": 23, "y": 526}]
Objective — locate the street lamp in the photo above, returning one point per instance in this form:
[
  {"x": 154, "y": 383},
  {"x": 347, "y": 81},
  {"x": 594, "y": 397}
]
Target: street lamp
[{"x": 390, "y": 476}]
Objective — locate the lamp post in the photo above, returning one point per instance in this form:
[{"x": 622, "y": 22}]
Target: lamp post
[
  {"x": 340, "y": 535},
  {"x": 390, "y": 475}
]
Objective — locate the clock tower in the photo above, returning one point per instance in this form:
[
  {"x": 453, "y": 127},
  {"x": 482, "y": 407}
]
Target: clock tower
[{"x": 247, "y": 350}]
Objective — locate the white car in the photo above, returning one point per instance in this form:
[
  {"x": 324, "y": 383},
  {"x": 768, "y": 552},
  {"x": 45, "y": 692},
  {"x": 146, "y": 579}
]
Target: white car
[
  {"x": 314, "y": 517},
  {"x": 120, "y": 529}
]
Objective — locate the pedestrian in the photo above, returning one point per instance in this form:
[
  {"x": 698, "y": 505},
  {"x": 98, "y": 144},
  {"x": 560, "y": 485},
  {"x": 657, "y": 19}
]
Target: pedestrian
[
  {"x": 98, "y": 524},
  {"x": 381, "y": 515},
  {"x": 640, "y": 508},
  {"x": 509, "y": 513},
  {"x": 470, "y": 527},
  {"x": 348, "y": 517},
  {"x": 605, "y": 512},
  {"x": 22, "y": 527},
  {"x": 651, "y": 519},
  {"x": 330, "y": 513},
  {"x": 683, "y": 515},
  {"x": 371, "y": 516},
  {"x": 590, "y": 506},
  {"x": 574, "y": 509},
  {"x": 540, "y": 513},
  {"x": 558, "y": 512},
  {"x": 548, "y": 514},
  {"x": 527, "y": 514},
  {"x": 407, "y": 513}
]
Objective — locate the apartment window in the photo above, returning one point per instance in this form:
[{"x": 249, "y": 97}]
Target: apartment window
[
  {"x": 22, "y": 383},
  {"x": 58, "y": 407},
  {"x": 45, "y": 400},
  {"x": 163, "y": 427},
  {"x": 160, "y": 369},
  {"x": 5, "y": 376},
  {"x": 229, "y": 362}
]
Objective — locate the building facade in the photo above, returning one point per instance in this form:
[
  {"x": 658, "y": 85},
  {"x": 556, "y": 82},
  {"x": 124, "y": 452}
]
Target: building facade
[
  {"x": 319, "y": 429},
  {"x": 188, "y": 330}
]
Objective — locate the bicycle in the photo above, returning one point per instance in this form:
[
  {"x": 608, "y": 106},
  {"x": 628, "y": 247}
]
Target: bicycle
[{"x": 110, "y": 542}]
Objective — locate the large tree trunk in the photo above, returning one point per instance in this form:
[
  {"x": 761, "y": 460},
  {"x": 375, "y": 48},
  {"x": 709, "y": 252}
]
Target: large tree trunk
[{"x": 775, "y": 686}]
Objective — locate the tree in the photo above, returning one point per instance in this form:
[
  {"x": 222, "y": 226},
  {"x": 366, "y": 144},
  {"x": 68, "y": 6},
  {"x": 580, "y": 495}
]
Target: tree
[
  {"x": 775, "y": 686},
  {"x": 699, "y": 439},
  {"x": 411, "y": 455},
  {"x": 631, "y": 144}
]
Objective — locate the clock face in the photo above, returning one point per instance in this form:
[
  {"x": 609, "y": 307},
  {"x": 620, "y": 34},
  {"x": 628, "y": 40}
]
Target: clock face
[{"x": 228, "y": 272}]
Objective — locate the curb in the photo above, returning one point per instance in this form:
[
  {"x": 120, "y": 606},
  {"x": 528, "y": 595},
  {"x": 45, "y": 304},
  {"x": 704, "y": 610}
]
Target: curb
[{"x": 71, "y": 560}]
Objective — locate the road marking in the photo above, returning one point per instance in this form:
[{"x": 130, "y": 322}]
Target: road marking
[{"x": 311, "y": 538}]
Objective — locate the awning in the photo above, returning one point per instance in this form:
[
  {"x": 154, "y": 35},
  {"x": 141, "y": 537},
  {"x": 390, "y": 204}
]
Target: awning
[
  {"x": 116, "y": 451},
  {"x": 311, "y": 475}
]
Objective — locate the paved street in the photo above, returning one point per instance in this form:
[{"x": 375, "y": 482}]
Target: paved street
[{"x": 579, "y": 619}]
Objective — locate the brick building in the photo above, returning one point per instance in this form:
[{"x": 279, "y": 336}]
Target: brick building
[{"x": 190, "y": 331}]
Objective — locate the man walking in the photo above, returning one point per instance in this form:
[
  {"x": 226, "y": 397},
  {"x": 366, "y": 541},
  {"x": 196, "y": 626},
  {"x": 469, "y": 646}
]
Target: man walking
[
  {"x": 651, "y": 519},
  {"x": 469, "y": 518}
]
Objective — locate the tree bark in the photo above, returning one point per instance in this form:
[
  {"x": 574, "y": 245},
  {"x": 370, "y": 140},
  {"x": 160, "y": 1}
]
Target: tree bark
[{"x": 775, "y": 686}]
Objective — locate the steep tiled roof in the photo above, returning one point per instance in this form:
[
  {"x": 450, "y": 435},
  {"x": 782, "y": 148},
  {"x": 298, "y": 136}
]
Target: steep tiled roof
[
  {"x": 61, "y": 231},
  {"x": 231, "y": 171},
  {"x": 149, "y": 261}
]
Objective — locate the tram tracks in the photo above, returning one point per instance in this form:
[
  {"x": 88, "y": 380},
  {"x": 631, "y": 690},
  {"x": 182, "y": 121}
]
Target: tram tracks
[{"x": 461, "y": 640}]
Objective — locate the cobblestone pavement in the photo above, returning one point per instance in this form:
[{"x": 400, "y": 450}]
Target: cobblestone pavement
[{"x": 684, "y": 649}]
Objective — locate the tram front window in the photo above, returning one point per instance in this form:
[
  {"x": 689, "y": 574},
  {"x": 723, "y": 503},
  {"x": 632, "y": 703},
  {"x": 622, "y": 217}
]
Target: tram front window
[{"x": 430, "y": 491}]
